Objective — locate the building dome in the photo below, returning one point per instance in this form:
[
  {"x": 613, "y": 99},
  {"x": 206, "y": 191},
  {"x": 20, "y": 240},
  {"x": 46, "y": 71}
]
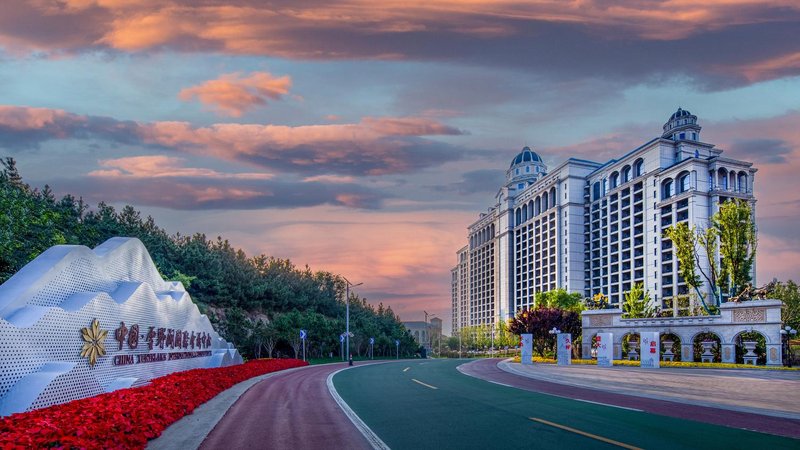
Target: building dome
[
  {"x": 680, "y": 113},
  {"x": 682, "y": 125},
  {"x": 526, "y": 155}
]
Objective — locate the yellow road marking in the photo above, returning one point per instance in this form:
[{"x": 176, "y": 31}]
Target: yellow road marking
[
  {"x": 583, "y": 433},
  {"x": 424, "y": 384},
  {"x": 406, "y": 369}
]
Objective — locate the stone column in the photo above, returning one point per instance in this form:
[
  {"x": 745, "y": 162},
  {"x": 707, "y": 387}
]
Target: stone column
[
  {"x": 586, "y": 350},
  {"x": 729, "y": 353},
  {"x": 774, "y": 354},
  {"x": 687, "y": 352},
  {"x": 617, "y": 351}
]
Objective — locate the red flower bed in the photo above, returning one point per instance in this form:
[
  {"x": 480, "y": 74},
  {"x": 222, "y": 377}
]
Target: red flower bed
[{"x": 128, "y": 418}]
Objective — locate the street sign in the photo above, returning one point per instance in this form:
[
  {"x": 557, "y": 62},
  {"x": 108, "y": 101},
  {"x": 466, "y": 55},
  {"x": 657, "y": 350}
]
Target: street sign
[
  {"x": 371, "y": 341},
  {"x": 341, "y": 338},
  {"x": 396, "y": 342},
  {"x": 303, "y": 334}
]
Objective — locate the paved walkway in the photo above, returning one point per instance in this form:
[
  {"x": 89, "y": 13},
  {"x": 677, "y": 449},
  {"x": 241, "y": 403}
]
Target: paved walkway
[{"x": 774, "y": 393}]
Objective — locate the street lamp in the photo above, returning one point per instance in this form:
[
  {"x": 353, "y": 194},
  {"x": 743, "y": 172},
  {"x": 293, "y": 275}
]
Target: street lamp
[
  {"x": 788, "y": 331},
  {"x": 347, "y": 319},
  {"x": 430, "y": 335},
  {"x": 555, "y": 332}
]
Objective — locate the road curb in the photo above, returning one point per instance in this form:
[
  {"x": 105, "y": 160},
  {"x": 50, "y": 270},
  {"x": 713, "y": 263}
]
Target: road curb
[{"x": 362, "y": 427}]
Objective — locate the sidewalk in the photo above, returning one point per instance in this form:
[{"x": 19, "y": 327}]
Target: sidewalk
[{"x": 773, "y": 393}]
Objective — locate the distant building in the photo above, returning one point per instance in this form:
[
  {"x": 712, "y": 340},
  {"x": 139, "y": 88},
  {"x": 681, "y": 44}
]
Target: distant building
[
  {"x": 592, "y": 227},
  {"x": 427, "y": 334}
]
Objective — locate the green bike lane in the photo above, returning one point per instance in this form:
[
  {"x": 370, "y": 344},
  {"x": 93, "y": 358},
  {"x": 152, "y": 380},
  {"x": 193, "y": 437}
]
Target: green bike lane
[{"x": 430, "y": 404}]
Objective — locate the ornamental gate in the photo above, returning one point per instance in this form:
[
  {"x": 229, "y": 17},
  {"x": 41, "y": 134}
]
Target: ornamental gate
[{"x": 762, "y": 316}]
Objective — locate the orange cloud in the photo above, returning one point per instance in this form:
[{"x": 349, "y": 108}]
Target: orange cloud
[
  {"x": 373, "y": 146},
  {"x": 233, "y": 94},
  {"x": 158, "y": 166}
]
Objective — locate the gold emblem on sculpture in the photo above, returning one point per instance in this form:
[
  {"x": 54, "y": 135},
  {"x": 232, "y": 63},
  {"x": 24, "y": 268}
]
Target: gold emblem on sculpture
[{"x": 94, "y": 342}]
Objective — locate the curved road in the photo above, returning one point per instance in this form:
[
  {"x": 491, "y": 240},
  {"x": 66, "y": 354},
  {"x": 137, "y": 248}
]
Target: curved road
[
  {"x": 287, "y": 411},
  {"x": 432, "y": 404},
  {"x": 489, "y": 371}
]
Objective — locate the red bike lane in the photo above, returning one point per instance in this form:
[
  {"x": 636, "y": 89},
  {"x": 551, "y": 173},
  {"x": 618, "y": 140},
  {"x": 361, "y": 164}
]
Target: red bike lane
[{"x": 287, "y": 411}]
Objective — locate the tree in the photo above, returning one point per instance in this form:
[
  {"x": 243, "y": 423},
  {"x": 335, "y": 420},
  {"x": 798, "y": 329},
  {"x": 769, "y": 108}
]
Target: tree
[
  {"x": 732, "y": 233},
  {"x": 789, "y": 293},
  {"x": 539, "y": 321},
  {"x": 737, "y": 243},
  {"x": 560, "y": 298},
  {"x": 637, "y": 303}
]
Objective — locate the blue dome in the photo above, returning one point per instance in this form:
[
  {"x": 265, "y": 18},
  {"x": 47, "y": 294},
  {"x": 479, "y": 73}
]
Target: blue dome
[
  {"x": 525, "y": 155},
  {"x": 680, "y": 113}
]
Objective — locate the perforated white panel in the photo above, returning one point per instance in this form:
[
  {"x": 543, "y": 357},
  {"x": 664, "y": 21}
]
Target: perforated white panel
[{"x": 45, "y": 305}]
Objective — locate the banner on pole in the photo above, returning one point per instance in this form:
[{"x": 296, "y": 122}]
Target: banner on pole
[
  {"x": 527, "y": 349},
  {"x": 605, "y": 349},
  {"x": 564, "y": 349},
  {"x": 650, "y": 349}
]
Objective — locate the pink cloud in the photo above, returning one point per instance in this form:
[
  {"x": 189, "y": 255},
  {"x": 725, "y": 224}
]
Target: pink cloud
[
  {"x": 158, "y": 166},
  {"x": 233, "y": 94},
  {"x": 373, "y": 146}
]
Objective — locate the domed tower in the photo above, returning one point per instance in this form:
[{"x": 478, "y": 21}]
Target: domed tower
[
  {"x": 525, "y": 169},
  {"x": 682, "y": 126}
]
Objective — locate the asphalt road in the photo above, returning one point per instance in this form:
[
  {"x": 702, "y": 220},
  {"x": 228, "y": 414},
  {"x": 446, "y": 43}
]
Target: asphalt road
[
  {"x": 287, "y": 411},
  {"x": 430, "y": 404}
]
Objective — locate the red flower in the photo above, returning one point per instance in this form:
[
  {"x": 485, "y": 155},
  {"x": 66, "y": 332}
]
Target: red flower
[{"x": 128, "y": 418}]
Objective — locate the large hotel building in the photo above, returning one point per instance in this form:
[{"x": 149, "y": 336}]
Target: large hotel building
[{"x": 592, "y": 227}]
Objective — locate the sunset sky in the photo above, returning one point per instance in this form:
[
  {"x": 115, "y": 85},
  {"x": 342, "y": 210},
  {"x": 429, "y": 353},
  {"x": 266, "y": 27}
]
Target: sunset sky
[{"x": 362, "y": 137}]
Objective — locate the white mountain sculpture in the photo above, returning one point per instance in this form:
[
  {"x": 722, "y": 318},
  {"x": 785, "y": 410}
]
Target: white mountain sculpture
[{"x": 44, "y": 307}]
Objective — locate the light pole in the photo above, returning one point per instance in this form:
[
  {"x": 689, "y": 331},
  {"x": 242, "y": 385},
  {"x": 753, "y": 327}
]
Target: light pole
[
  {"x": 347, "y": 319},
  {"x": 788, "y": 331},
  {"x": 555, "y": 332},
  {"x": 428, "y": 327}
]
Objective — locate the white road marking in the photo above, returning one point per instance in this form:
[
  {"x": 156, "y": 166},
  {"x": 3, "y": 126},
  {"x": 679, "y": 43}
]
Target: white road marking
[
  {"x": 424, "y": 384},
  {"x": 501, "y": 384},
  {"x": 606, "y": 404},
  {"x": 406, "y": 369},
  {"x": 366, "y": 431}
]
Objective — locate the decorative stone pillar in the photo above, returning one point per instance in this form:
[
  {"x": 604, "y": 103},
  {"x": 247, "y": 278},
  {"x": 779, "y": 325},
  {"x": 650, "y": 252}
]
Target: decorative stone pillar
[
  {"x": 750, "y": 356},
  {"x": 617, "y": 351},
  {"x": 632, "y": 346},
  {"x": 687, "y": 352},
  {"x": 774, "y": 354},
  {"x": 729, "y": 353},
  {"x": 668, "y": 355},
  {"x": 708, "y": 355},
  {"x": 586, "y": 350}
]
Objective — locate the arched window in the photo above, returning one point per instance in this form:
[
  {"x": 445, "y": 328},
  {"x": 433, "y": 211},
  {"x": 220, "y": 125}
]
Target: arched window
[
  {"x": 626, "y": 174},
  {"x": 638, "y": 168},
  {"x": 596, "y": 190},
  {"x": 666, "y": 189},
  {"x": 552, "y": 196},
  {"x": 722, "y": 176},
  {"x": 743, "y": 186},
  {"x": 538, "y": 205},
  {"x": 524, "y": 214},
  {"x": 544, "y": 202},
  {"x": 732, "y": 184},
  {"x": 682, "y": 183},
  {"x": 518, "y": 216},
  {"x": 614, "y": 180}
]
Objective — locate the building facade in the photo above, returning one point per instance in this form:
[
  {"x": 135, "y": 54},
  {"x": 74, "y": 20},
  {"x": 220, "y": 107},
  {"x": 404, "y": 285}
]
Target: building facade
[{"x": 592, "y": 227}]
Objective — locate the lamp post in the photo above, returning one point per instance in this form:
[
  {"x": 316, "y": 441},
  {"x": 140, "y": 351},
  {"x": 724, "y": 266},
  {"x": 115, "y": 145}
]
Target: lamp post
[
  {"x": 555, "y": 332},
  {"x": 788, "y": 331},
  {"x": 428, "y": 326},
  {"x": 347, "y": 318}
]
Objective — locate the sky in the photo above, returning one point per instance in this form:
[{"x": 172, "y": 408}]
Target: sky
[{"x": 363, "y": 137}]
